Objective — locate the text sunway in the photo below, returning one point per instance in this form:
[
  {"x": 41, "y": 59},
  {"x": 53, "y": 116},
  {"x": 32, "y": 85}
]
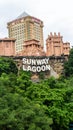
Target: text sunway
[{"x": 35, "y": 61}]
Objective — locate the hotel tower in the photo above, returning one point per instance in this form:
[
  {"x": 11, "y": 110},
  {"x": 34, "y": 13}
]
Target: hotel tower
[{"x": 25, "y": 28}]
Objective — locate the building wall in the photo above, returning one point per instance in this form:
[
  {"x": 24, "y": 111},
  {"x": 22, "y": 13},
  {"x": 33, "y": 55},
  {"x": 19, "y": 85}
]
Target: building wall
[
  {"x": 26, "y": 28},
  {"x": 66, "y": 48},
  {"x": 32, "y": 48},
  {"x": 55, "y": 45},
  {"x": 7, "y": 47}
]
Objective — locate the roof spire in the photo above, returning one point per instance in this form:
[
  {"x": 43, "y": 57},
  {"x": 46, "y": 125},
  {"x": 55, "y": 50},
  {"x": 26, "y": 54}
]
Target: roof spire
[{"x": 24, "y": 14}]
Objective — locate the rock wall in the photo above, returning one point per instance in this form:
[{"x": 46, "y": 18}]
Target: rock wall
[{"x": 56, "y": 63}]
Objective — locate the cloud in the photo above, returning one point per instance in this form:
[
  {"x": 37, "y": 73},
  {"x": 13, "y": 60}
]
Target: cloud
[{"x": 56, "y": 15}]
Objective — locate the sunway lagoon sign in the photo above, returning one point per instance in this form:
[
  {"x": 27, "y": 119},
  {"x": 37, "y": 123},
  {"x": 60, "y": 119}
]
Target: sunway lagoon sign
[{"x": 36, "y": 64}]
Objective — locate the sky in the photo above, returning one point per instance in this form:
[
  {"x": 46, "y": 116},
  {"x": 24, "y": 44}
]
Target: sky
[{"x": 57, "y": 15}]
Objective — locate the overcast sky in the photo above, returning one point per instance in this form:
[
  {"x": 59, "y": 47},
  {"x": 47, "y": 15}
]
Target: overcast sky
[{"x": 57, "y": 15}]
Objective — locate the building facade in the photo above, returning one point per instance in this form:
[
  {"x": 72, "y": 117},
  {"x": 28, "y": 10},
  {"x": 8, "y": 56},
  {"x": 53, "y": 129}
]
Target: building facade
[
  {"x": 32, "y": 48},
  {"x": 7, "y": 47},
  {"x": 55, "y": 45},
  {"x": 25, "y": 28}
]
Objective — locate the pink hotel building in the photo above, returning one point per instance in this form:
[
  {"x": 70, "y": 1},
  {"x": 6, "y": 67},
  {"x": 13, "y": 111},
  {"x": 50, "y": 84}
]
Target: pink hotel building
[
  {"x": 54, "y": 47},
  {"x": 7, "y": 47}
]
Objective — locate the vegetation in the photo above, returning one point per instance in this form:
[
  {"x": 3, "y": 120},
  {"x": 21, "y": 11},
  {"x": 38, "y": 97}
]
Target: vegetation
[
  {"x": 24, "y": 105},
  {"x": 68, "y": 66},
  {"x": 7, "y": 65}
]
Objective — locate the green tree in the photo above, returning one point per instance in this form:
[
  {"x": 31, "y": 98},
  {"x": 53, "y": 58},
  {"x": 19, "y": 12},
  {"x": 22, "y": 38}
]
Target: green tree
[
  {"x": 17, "y": 111},
  {"x": 7, "y": 66},
  {"x": 35, "y": 106},
  {"x": 56, "y": 98},
  {"x": 68, "y": 66}
]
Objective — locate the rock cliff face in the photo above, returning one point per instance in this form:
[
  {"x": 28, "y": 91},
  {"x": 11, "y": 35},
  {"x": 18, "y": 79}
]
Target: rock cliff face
[{"x": 56, "y": 67}]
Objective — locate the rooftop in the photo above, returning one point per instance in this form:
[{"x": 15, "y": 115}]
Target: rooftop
[
  {"x": 24, "y": 14},
  {"x": 7, "y": 39}
]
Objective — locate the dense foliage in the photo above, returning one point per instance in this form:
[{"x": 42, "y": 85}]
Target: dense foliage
[
  {"x": 7, "y": 65},
  {"x": 28, "y": 106},
  {"x": 68, "y": 66},
  {"x": 24, "y": 105}
]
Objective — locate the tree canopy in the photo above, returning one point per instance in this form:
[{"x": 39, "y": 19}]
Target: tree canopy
[
  {"x": 25, "y": 105},
  {"x": 68, "y": 66},
  {"x": 7, "y": 66}
]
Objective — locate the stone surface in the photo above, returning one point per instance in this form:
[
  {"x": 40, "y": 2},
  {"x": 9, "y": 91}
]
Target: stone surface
[{"x": 56, "y": 64}]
